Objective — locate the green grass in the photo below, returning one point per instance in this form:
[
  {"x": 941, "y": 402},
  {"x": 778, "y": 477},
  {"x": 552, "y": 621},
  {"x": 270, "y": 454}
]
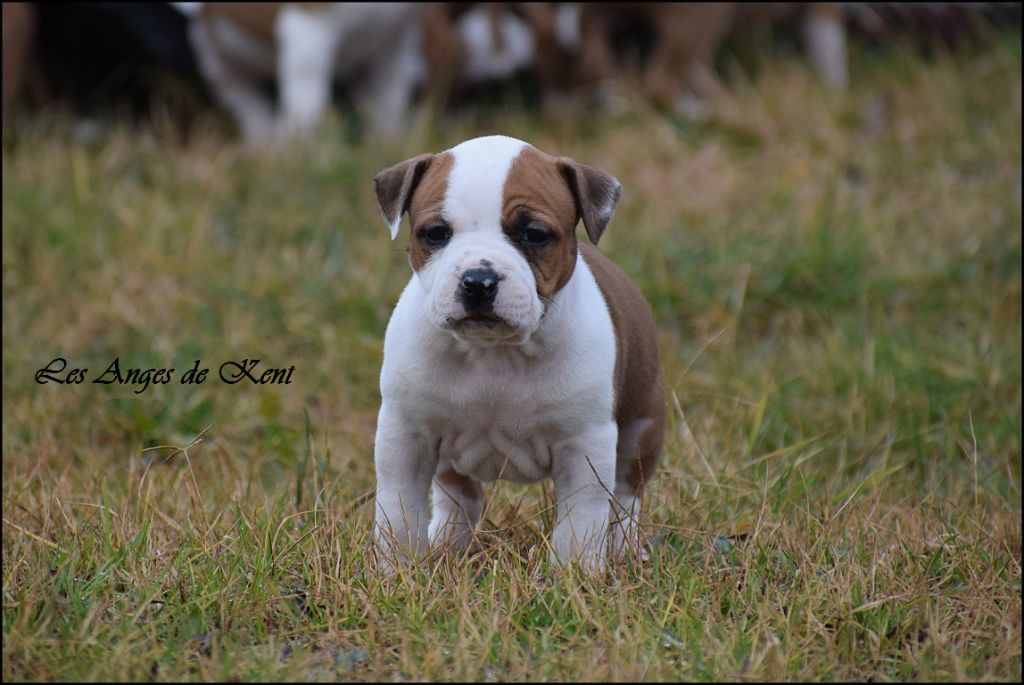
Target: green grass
[{"x": 837, "y": 280}]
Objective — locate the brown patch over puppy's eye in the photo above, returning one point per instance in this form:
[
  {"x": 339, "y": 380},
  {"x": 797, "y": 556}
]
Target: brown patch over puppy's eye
[
  {"x": 426, "y": 212},
  {"x": 539, "y": 216}
]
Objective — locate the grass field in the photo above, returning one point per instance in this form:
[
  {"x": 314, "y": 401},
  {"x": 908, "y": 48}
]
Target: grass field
[{"x": 837, "y": 280}]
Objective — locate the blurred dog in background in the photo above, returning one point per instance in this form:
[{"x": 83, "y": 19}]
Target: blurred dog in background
[
  {"x": 391, "y": 51},
  {"x": 373, "y": 47},
  {"x": 103, "y": 55},
  {"x": 466, "y": 44},
  {"x": 685, "y": 36}
]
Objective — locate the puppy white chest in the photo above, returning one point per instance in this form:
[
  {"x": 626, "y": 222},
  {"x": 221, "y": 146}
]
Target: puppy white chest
[
  {"x": 503, "y": 446},
  {"x": 504, "y": 419},
  {"x": 506, "y": 411}
]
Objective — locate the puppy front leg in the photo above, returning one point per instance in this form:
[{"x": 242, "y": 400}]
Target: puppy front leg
[
  {"x": 405, "y": 464},
  {"x": 458, "y": 503},
  {"x": 584, "y": 476}
]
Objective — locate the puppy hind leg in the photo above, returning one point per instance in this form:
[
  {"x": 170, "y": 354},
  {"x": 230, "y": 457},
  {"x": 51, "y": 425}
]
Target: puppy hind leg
[
  {"x": 624, "y": 531},
  {"x": 624, "y": 528}
]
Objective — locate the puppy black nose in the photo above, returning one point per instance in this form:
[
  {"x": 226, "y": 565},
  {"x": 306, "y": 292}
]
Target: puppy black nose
[{"x": 479, "y": 288}]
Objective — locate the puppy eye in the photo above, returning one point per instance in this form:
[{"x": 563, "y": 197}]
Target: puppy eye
[
  {"x": 435, "y": 235},
  {"x": 534, "y": 237}
]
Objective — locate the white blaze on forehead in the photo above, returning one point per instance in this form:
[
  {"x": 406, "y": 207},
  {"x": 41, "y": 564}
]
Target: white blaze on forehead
[{"x": 477, "y": 181}]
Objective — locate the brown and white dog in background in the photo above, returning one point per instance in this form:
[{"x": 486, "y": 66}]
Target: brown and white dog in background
[
  {"x": 513, "y": 353},
  {"x": 305, "y": 46},
  {"x": 468, "y": 43},
  {"x": 686, "y": 36}
]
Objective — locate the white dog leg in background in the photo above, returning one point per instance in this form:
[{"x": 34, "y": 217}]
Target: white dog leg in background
[
  {"x": 306, "y": 52},
  {"x": 825, "y": 41}
]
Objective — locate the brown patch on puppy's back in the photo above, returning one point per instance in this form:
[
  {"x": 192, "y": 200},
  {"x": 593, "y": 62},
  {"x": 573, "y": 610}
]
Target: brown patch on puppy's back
[
  {"x": 426, "y": 205},
  {"x": 536, "y": 189}
]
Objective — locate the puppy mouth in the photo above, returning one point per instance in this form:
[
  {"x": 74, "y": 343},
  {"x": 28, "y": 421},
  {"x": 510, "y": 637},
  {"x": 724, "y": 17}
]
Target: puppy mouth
[
  {"x": 486, "y": 330},
  {"x": 480, "y": 320},
  {"x": 482, "y": 326}
]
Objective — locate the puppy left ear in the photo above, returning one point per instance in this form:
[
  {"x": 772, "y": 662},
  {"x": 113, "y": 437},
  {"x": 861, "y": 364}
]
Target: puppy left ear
[
  {"x": 596, "y": 194},
  {"x": 394, "y": 188}
]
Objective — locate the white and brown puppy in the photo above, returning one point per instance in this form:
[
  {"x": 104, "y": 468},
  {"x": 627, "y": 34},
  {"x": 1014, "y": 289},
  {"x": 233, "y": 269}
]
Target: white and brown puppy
[{"x": 512, "y": 353}]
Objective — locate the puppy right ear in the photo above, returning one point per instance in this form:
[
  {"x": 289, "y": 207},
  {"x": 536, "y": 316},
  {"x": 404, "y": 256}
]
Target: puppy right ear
[{"x": 394, "y": 188}]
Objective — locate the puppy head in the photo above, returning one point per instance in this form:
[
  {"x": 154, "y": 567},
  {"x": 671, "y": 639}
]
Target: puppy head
[{"x": 493, "y": 231}]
